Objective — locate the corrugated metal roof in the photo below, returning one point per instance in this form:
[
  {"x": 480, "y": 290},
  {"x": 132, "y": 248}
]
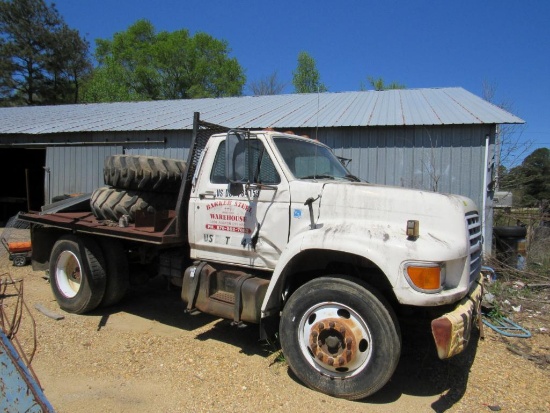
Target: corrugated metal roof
[{"x": 438, "y": 106}]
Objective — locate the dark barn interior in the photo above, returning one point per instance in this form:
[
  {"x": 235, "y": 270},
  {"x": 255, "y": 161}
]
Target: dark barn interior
[{"x": 22, "y": 187}]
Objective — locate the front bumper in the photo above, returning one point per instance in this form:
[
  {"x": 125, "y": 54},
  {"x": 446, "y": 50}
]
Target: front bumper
[{"x": 452, "y": 331}]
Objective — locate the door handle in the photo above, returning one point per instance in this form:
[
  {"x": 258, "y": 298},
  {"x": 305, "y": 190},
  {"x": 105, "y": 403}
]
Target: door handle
[{"x": 207, "y": 194}]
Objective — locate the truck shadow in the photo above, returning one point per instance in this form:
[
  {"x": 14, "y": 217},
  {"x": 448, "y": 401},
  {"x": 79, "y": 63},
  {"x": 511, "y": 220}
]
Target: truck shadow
[
  {"x": 160, "y": 302},
  {"x": 156, "y": 301},
  {"x": 419, "y": 371}
]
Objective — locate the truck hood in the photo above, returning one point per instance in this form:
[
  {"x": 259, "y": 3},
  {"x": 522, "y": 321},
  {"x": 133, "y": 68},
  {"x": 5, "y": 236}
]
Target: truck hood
[
  {"x": 364, "y": 199},
  {"x": 380, "y": 213},
  {"x": 388, "y": 203}
]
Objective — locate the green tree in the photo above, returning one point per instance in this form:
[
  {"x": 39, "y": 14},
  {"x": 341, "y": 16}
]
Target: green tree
[
  {"x": 379, "y": 84},
  {"x": 306, "y": 78},
  {"x": 530, "y": 181},
  {"x": 42, "y": 60},
  {"x": 141, "y": 64}
]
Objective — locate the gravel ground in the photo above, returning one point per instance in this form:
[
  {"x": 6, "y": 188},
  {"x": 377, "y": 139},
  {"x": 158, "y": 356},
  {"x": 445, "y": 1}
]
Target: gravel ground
[{"x": 146, "y": 355}]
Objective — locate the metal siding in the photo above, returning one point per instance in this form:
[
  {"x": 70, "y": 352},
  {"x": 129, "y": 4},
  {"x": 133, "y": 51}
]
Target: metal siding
[
  {"x": 75, "y": 169},
  {"x": 448, "y": 179},
  {"x": 176, "y": 146},
  {"x": 415, "y": 157}
]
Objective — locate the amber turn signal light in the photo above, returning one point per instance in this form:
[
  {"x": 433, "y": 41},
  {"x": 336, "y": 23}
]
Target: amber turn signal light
[{"x": 425, "y": 278}]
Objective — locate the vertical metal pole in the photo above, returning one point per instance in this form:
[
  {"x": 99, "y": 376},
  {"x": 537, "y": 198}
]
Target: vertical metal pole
[
  {"x": 484, "y": 202},
  {"x": 47, "y": 185}
]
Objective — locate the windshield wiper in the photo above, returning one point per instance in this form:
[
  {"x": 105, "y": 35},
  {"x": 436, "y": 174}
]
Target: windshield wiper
[
  {"x": 352, "y": 178},
  {"x": 317, "y": 177}
]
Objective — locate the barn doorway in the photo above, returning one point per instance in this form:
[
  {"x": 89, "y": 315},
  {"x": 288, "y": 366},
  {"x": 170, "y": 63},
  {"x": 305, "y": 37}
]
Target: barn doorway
[{"x": 22, "y": 188}]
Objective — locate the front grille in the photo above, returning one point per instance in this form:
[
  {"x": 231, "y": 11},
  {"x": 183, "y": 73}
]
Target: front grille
[{"x": 473, "y": 225}]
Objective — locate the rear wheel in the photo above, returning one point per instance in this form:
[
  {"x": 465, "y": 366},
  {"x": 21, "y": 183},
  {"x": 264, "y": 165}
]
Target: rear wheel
[
  {"x": 117, "y": 271},
  {"x": 77, "y": 274},
  {"x": 340, "y": 338}
]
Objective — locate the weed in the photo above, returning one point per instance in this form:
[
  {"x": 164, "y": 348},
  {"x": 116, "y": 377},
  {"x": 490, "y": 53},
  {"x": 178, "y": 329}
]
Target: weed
[
  {"x": 496, "y": 312},
  {"x": 272, "y": 347},
  {"x": 280, "y": 358}
]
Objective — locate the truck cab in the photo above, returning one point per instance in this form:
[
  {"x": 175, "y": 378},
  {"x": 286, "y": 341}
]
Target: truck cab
[{"x": 263, "y": 199}]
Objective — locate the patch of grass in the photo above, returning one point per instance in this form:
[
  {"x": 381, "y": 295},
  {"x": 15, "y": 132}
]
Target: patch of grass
[
  {"x": 280, "y": 357},
  {"x": 273, "y": 348},
  {"x": 496, "y": 312}
]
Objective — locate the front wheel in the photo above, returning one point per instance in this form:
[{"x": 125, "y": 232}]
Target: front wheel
[
  {"x": 340, "y": 338},
  {"x": 77, "y": 274}
]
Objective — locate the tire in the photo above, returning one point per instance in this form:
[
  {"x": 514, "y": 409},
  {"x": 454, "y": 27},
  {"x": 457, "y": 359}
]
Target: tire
[
  {"x": 19, "y": 260},
  {"x": 143, "y": 173},
  {"x": 112, "y": 203},
  {"x": 77, "y": 274},
  {"x": 510, "y": 232},
  {"x": 118, "y": 276},
  {"x": 340, "y": 338}
]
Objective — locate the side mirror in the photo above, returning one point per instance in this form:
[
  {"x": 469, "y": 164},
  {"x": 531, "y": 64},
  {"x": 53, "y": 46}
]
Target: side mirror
[
  {"x": 236, "y": 145},
  {"x": 235, "y": 161},
  {"x": 244, "y": 154}
]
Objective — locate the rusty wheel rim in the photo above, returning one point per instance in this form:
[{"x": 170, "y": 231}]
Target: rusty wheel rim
[{"x": 335, "y": 340}]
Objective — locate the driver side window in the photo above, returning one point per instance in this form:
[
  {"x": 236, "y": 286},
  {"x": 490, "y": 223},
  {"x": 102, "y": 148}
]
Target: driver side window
[{"x": 256, "y": 166}]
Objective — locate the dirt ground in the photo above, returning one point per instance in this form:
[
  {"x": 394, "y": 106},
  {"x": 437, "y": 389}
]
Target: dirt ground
[{"x": 147, "y": 355}]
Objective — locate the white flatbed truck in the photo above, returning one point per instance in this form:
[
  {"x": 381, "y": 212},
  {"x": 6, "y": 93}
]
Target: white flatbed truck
[{"x": 270, "y": 228}]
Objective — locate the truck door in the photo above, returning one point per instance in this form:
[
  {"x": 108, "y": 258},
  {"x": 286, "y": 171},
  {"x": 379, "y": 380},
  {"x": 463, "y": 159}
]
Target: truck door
[{"x": 246, "y": 227}]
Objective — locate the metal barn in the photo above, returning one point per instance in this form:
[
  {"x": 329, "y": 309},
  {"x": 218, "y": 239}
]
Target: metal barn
[{"x": 440, "y": 139}]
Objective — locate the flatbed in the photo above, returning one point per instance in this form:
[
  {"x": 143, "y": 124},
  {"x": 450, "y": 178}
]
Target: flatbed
[{"x": 159, "y": 231}]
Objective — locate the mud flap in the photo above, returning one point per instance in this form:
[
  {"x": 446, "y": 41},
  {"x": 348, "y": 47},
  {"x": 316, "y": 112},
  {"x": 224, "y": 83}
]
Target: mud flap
[{"x": 451, "y": 331}]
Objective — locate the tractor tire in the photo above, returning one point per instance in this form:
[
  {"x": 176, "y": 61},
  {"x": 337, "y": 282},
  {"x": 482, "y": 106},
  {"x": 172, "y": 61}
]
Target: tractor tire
[
  {"x": 112, "y": 203},
  {"x": 143, "y": 173}
]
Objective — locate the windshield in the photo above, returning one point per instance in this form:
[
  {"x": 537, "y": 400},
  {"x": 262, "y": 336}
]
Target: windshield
[{"x": 308, "y": 160}]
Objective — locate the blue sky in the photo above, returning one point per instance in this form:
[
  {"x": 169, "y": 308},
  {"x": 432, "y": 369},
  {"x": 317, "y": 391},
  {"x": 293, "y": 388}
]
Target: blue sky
[{"x": 418, "y": 43}]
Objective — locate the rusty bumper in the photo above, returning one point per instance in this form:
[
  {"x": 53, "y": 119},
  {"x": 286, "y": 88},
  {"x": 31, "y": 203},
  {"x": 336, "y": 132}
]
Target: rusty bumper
[{"x": 452, "y": 331}]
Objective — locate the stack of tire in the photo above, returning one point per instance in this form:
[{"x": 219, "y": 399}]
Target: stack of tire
[{"x": 137, "y": 183}]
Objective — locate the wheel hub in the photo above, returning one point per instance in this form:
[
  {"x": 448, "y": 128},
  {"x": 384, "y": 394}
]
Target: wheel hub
[
  {"x": 333, "y": 343},
  {"x": 75, "y": 275}
]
